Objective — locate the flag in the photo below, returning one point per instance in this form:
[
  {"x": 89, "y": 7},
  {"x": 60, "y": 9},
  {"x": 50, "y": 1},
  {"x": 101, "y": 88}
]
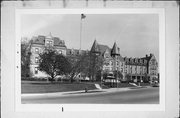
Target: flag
[{"x": 83, "y": 16}]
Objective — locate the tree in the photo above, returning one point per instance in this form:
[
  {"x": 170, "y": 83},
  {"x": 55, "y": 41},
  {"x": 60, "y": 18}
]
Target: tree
[
  {"x": 98, "y": 75},
  {"x": 128, "y": 77},
  {"x": 96, "y": 65},
  {"x": 53, "y": 63},
  {"x": 86, "y": 64},
  {"x": 118, "y": 74},
  {"x": 25, "y": 58},
  {"x": 146, "y": 79},
  {"x": 79, "y": 64}
]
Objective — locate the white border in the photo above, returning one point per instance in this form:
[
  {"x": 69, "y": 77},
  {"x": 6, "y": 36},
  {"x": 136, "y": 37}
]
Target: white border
[{"x": 91, "y": 107}]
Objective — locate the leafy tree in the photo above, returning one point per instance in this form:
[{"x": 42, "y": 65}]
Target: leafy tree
[
  {"x": 128, "y": 77},
  {"x": 98, "y": 75},
  {"x": 53, "y": 63},
  {"x": 79, "y": 64},
  {"x": 118, "y": 74},
  {"x": 96, "y": 64},
  {"x": 85, "y": 64},
  {"x": 25, "y": 58},
  {"x": 146, "y": 79},
  {"x": 105, "y": 74}
]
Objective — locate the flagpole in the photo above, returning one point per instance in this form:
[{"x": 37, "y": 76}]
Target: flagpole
[
  {"x": 80, "y": 43},
  {"x": 80, "y": 32}
]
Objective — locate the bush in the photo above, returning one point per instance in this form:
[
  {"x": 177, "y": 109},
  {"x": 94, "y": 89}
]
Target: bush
[{"x": 33, "y": 79}]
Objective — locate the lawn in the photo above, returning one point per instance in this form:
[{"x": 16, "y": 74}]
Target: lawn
[
  {"x": 48, "y": 87},
  {"x": 44, "y": 87}
]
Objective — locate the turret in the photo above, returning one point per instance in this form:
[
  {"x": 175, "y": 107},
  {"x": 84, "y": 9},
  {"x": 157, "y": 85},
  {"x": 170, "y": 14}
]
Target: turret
[
  {"x": 95, "y": 48},
  {"x": 115, "y": 50}
]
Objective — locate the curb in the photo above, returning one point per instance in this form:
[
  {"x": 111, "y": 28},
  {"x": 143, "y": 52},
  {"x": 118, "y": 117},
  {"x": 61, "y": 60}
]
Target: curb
[{"x": 82, "y": 92}]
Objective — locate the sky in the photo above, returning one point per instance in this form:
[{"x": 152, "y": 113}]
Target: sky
[{"x": 135, "y": 34}]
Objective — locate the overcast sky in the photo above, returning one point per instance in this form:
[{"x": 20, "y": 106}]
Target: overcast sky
[{"x": 135, "y": 34}]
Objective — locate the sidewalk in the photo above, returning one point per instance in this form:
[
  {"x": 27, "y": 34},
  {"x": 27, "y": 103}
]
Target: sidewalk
[{"x": 80, "y": 93}]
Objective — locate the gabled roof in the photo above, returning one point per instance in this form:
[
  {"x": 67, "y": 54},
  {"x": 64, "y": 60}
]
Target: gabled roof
[
  {"x": 147, "y": 57},
  {"x": 120, "y": 58},
  {"x": 38, "y": 40},
  {"x": 58, "y": 42},
  {"x": 41, "y": 40},
  {"x": 135, "y": 61},
  {"x": 75, "y": 52},
  {"x": 98, "y": 48},
  {"x": 103, "y": 48}
]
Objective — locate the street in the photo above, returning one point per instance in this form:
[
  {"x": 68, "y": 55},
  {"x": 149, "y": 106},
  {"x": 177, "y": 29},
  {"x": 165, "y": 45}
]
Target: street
[{"x": 133, "y": 96}]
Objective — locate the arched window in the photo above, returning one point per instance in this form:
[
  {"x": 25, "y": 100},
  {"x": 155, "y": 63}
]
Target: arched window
[{"x": 36, "y": 60}]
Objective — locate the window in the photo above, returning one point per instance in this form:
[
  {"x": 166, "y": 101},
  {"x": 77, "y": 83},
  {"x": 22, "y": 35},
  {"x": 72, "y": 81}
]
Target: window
[
  {"x": 121, "y": 64},
  {"x": 36, "y": 60},
  {"x": 50, "y": 43},
  {"x": 121, "y": 69},
  {"x": 106, "y": 63},
  {"x": 60, "y": 51},
  {"x": 111, "y": 63},
  {"x": 47, "y": 43},
  {"x": 37, "y": 50},
  {"x": 36, "y": 70},
  {"x": 106, "y": 55},
  {"x": 77, "y": 52}
]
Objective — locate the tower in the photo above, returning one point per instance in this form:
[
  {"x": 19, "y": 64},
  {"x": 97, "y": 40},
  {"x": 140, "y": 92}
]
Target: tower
[
  {"x": 95, "y": 48},
  {"x": 115, "y": 53},
  {"x": 115, "y": 50}
]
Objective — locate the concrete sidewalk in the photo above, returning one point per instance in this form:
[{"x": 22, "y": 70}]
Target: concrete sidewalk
[{"x": 80, "y": 93}]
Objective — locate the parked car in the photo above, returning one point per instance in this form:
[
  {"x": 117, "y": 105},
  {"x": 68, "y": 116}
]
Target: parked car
[{"x": 155, "y": 84}]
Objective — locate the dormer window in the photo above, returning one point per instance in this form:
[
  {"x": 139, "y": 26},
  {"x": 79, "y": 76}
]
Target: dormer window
[
  {"x": 49, "y": 43},
  {"x": 106, "y": 55},
  {"x": 37, "y": 50}
]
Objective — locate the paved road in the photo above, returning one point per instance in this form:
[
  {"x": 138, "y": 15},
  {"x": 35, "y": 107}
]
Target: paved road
[{"x": 133, "y": 96}]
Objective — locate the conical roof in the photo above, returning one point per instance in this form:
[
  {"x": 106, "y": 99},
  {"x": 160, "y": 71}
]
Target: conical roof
[
  {"x": 49, "y": 36},
  {"x": 95, "y": 48},
  {"x": 115, "y": 49}
]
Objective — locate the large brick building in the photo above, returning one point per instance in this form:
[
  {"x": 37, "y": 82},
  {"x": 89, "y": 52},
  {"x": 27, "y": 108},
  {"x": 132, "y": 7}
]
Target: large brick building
[
  {"x": 136, "y": 68},
  {"x": 37, "y": 46}
]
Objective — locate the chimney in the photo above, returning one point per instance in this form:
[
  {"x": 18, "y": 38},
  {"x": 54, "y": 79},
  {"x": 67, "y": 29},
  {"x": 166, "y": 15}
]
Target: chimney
[{"x": 146, "y": 55}]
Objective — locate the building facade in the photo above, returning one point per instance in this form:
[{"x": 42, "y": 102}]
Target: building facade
[
  {"x": 37, "y": 46},
  {"x": 137, "y": 69}
]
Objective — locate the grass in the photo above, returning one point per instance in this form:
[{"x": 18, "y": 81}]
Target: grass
[
  {"x": 120, "y": 85},
  {"x": 48, "y": 87},
  {"x": 54, "y": 87}
]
